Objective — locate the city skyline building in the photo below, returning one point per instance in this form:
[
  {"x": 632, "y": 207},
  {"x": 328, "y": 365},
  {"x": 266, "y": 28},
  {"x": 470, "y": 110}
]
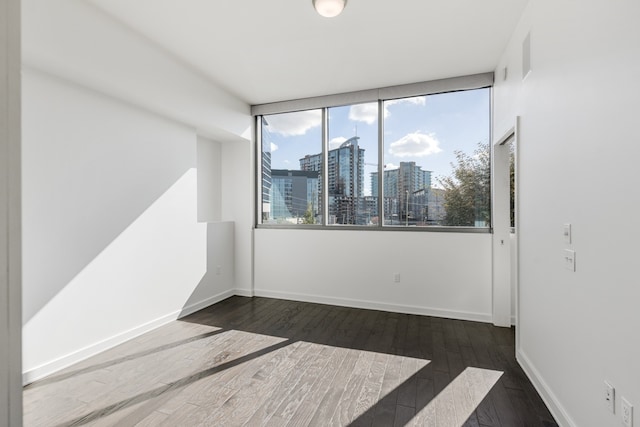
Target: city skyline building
[
  {"x": 345, "y": 180},
  {"x": 435, "y": 206},
  {"x": 287, "y": 195},
  {"x": 405, "y": 193},
  {"x": 293, "y": 193}
]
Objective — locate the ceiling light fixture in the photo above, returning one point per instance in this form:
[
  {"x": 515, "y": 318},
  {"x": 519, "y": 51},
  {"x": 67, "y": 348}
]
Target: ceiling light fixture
[{"x": 329, "y": 8}]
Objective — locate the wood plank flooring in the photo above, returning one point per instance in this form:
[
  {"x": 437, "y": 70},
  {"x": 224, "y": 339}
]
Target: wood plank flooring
[{"x": 268, "y": 362}]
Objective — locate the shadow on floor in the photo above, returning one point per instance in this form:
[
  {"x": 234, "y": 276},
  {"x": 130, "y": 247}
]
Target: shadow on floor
[{"x": 446, "y": 352}]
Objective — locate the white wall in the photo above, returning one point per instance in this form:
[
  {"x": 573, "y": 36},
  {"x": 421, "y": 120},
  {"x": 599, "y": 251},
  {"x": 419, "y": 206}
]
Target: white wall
[
  {"x": 112, "y": 244},
  {"x": 578, "y": 154},
  {"x": 209, "y": 180},
  {"x": 114, "y": 129},
  {"x": 238, "y": 198},
  {"x": 10, "y": 221},
  {"x": 442, "y": 274},
  {"x": 79, "y": 42}
]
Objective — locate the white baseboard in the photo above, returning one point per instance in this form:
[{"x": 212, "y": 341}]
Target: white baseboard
[
  {"x": 79, "y": 355},
  {"x": 192, "y": 308},
  {"x": 556, "y": 409},
  {"x": 243, "y": 292},
  {"x": 372, "y": 305}
]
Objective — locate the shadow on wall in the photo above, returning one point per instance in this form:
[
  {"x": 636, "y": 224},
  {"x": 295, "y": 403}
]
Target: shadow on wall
[
  {"x": 59, "y": 247},
  {"x": 154, "y": 269},
  {"x": 111, "y": 253},
  {"x": 92, "y": 165},
  {"x": 219, "y": 278}
]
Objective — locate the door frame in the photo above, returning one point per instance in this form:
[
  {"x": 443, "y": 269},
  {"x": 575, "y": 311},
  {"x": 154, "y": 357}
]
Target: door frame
[
  {"x": 10, "y": 217},
  {"x": 502, "y": 265}
]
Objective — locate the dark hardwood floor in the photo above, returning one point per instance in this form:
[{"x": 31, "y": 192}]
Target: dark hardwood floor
[{"x": 261, "y": 361}]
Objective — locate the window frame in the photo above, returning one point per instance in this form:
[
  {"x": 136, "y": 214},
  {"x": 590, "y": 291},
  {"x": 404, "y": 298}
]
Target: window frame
[{"x": 476, "y": 81}]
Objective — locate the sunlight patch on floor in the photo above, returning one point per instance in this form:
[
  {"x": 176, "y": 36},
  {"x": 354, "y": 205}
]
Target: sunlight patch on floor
[{"x": 455, "y": 404}]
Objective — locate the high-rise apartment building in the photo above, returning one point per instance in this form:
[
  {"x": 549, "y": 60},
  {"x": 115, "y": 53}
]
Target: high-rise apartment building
[
  {"x": 435, "y": 206},
  {"x": 405, "y": 193},
  {"x": 345, "y": 178},
  {"x": 293, "y": 195}
]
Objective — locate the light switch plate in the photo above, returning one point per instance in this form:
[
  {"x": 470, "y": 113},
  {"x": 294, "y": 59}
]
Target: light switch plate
[
  {"x": 567, "y": 233},
  {"x": 610, "y": 397},
  {"x": 570, "y": 259}
]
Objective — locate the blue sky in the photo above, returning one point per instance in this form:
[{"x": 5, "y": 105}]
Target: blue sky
[{"x": 426, "y": 130}]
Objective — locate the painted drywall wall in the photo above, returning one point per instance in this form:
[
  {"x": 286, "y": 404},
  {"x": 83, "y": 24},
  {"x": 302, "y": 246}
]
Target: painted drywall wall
[
  {"x": 209, "y": 180},
  {"x": 218, "y": 281},
  {"x": 441, "y": 274},
  {"x": 578, "y": 156},
  {"x": 79, "y": 42},
  {"x": 238, "y": 206},
  {"x": 112, "y": 243},
  {"x": 10, "y": 216},
  {"x": 115, "y": 218}
]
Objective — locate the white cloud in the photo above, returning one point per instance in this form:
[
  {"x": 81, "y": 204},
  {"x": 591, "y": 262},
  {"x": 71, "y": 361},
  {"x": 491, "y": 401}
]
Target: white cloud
[
  {"x": 368, "y": 113},
  {"x": 416, "y": 100},
  {"x": 274, "y": 147},
  {"x": 415, "y": 145},
  {"x": 336, "y": 142},
  {"x": 390, "y": 166},
  {"x": 294, "y": 124}
]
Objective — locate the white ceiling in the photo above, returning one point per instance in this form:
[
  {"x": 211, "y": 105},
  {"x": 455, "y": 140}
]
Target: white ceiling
[{"x": 271, "y": 50}]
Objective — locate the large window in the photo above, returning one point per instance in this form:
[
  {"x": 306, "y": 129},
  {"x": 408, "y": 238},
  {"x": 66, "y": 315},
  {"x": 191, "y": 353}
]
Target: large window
[
  {"x": 352, "y": 157},
  {"x": 292, "y": 168},
  {"x": 418, "y": 161},
  {"x": 436, "y": 158}
]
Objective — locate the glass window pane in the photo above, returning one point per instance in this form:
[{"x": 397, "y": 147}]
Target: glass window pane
[
  {"x": 291, "y": 185},
  {"x": 352, "y": 158},
  {"x": 437, "y": 161}
]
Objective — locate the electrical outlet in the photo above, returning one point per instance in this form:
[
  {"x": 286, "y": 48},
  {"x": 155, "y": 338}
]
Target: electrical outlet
[
  {"x": 627, "y": 413},
  {"x": 396, "y": 277},
  {"x": 218, "y": 270},
  {"x": 610, "y": 397}
]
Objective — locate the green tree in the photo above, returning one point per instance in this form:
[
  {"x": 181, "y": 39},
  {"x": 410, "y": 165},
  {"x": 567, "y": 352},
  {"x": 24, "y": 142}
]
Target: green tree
[
  {"x": 467, "y": 192},
  {"x": 308, "y": 217}
]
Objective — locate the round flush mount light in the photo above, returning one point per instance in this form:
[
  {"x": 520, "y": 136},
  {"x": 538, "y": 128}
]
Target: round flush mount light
[{"x": 329, "y": 8}]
